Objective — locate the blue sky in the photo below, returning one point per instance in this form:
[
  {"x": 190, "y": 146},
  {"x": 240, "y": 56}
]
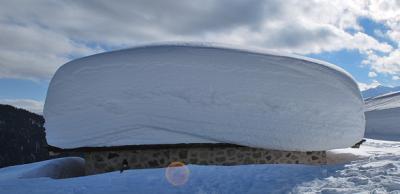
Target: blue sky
[{"x": 37, "y": 38}]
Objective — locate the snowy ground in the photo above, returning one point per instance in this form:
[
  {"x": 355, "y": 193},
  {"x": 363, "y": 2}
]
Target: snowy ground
[
  {"x": 374, "y": 168},
  {"x": 56, "y": 169}
]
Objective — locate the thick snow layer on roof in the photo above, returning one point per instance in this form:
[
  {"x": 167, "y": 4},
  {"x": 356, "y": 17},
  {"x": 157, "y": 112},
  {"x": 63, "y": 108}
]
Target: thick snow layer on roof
[
  {"x": 385, "y": 101},
  {"x": 383, "y": 116},
  {"x": 167, "y": 94}
]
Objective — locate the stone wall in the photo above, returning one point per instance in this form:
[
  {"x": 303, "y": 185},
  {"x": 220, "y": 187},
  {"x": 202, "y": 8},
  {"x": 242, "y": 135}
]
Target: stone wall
[{"x": 100, "y": 161}]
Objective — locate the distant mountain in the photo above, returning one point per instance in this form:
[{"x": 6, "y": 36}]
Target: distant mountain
[
  {"x": 377, "y": 91},
  {"x": 22, "y": 137}
]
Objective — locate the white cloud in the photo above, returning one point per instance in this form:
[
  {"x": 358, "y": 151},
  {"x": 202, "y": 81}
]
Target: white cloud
[
  {"x": 395, "y": 77},
  {"x": 38, "y": 36},
  {"x": 365, "y": 43},
  {"x": 27, "y": 104},
  {"x": 389, "y": 64},
  {"x": 388, "y": 13},
  {"x": 364, "y": 86},
  {"x": 394, "y": 35},
  {"x": 33, "y": 52},
  {"x": 372, "y": 74}
]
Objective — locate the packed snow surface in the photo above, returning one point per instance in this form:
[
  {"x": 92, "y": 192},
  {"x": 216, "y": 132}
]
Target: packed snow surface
[
  {"x": 374, "y": 168},
  {"x": 56, "y": 169},
  {"x": 198, "y": 93},
  {"x": 383, "y": 116}
]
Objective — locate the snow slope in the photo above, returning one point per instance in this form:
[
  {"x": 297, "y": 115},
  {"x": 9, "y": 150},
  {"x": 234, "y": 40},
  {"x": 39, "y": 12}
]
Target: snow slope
[
  {"x": 56, "y": 169},
  {"x": 383, "y": 116},
  {"x": 199, "y": 93},
  {"x": 376, "y": 170}
]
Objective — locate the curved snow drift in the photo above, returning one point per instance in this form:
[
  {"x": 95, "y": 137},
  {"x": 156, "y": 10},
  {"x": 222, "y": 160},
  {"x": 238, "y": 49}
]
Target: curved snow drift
[
  {"x": 167, "y": 94},
  {"x": 59, "y": 168}
]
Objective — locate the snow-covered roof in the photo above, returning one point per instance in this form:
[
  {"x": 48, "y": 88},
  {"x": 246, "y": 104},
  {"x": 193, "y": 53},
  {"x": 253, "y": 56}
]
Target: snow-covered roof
[
  {"x": 383, "y": 116},
  {"x": 384, "y": 101},
  {"x": 201, "y": 93}
]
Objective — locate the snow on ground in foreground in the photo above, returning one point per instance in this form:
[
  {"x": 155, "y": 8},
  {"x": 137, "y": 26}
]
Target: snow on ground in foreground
[
  {"x": 377, "y": 169},
  {"x": 197, "y": 93}
]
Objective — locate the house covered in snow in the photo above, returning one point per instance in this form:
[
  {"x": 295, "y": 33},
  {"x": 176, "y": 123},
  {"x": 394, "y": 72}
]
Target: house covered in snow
[
  {"x": 382, "y": 115},
  {"x": 200, "y": 104}
]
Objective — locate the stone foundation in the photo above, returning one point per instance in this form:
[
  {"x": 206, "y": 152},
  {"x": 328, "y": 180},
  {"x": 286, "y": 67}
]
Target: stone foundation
[{"x": 100, "y": 160}]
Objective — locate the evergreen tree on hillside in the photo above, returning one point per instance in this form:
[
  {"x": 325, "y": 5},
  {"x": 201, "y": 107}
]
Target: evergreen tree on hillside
[{"x": 22, "y": 137}]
